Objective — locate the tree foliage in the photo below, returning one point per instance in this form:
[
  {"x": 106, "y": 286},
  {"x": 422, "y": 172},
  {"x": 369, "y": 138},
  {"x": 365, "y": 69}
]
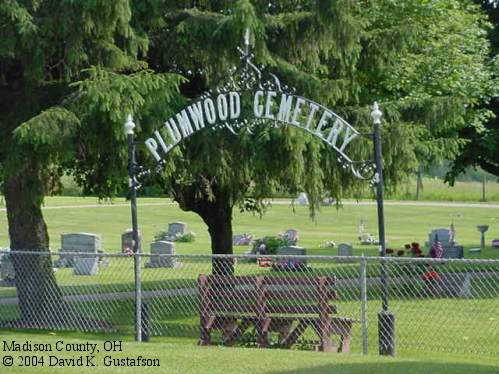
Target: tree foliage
[
  {"x": 46, "y": 48},
  {"x": 482, "y": 144},
  {"x": 72, "y": 70}
]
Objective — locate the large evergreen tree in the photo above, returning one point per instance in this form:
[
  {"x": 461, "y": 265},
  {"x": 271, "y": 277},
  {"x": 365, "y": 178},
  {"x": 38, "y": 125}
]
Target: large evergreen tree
[{"x": 44, "y": 47}]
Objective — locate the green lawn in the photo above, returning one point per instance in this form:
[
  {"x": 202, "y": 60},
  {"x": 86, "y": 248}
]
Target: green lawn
[
  {"x": 404, "y": 224},
  {"x": 435, "y": 189},
  {"x": 190, "y": 359},
  {"x": 430, "y": 326}
]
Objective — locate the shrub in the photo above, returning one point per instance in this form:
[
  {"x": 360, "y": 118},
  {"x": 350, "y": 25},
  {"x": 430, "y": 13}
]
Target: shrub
[
  {"x": 165, "y": 235},
  {"x": 161, "y": 235},
  {"x": 271, "y": 244},
  {"x": 186, "y": 238}
]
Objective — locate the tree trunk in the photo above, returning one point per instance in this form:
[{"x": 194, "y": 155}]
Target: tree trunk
[
  {"x": 216, "y": 212},
  {"x": 40, "y": 300},
  {"x": 219, "y": 222}
]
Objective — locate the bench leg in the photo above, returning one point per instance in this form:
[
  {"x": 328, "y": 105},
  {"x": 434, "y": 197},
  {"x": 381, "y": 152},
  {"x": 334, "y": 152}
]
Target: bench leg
[
  {"x": 228, "y": 329},
  {"x": 205, "y": 332},
  {"x": 344, "y": 343},
  {"x": 327, "y": 344},
  {"x": 324, "y": 334},
  {"x": 262, "y": 330}
]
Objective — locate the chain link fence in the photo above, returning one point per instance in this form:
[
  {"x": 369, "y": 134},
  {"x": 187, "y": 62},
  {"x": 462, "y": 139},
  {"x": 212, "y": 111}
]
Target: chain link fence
[{"x": 309, "y": 302}]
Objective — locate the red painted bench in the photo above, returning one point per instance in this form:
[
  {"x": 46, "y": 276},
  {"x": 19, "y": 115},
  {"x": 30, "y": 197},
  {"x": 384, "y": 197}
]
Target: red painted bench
[{"x": 286, "y": 306}]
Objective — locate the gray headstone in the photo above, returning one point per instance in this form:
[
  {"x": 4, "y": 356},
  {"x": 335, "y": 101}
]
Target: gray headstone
[
  {"x": 127, "y": 241},
  {"x": 345, "y": 249},
  {"x": 291, "y": 250},
  {"x": 86, "y": 265},
  {"x": 451, "y": 251},
  {"x": 158, "y": 249},
  {"x": 291, "y": 235},
  {"x": 292, "y": 262},
  {"x": 177, "y": 227},
  {"x": 444, "y": 236},
  {"x": 79, "y": 242},
  {"x": 7, "y": 272},
  {"x": 242, "y": 239}
]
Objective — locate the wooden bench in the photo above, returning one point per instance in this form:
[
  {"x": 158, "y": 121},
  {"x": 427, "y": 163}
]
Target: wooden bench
[{"x": 286, "y": 306}]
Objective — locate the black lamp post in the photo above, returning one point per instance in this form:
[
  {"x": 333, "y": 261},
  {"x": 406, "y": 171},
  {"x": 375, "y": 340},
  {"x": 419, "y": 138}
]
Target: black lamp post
[
  {"x": 386, "y": 320},
  {"x": 132, "y": 183}
]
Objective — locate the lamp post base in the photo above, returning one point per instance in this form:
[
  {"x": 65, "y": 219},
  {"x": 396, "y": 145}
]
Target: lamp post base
[{"x": 386, "y": 332}]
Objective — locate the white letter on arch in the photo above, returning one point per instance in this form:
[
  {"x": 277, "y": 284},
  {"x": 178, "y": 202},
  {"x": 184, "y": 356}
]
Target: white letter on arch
[{"x": 257, "y": 107}]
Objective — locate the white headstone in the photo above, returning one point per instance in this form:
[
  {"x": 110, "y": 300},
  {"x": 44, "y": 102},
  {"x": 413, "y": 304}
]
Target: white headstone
[
  {"x": 160, "y": 255},
  {"x": 7, "y": 272},
  {"x": 291, "y": 235},
  {"x": 81, "y": 242},
  {"x": 177, "y": 227},
  {"x": 302, "y": 198},
  {"x": 86, "y": 265},
  {"x": 127, "y": 241},
  {"x": 242, "y": 239}
]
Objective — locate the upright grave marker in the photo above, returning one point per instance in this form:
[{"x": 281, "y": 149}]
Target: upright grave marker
[
  {"x": 161, "y": 255},
  {"x": 127, "y": 241},
  {"x": 80, "y": 242}
]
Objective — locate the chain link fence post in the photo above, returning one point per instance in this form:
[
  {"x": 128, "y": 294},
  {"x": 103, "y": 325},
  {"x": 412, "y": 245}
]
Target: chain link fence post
[{"x": 363, "y": 304}]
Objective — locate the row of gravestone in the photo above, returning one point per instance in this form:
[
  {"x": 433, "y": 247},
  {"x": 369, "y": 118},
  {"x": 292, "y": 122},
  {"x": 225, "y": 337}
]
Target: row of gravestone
[
  {"x": 162, "y": 251},
  {"x": 91, "y": 244},
  {"x": 297, "y": 255},
  {"x": 80, "y": 251}
]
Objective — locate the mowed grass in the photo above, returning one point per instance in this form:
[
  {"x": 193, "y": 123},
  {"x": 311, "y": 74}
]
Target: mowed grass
[
  {"x": 427, "y": 326},
  {"x": 435, "y": 189},
  {"x": 190, "y": 359},
  {"x": 404, "y": 224},
  {"x": 451, "y": 325}
]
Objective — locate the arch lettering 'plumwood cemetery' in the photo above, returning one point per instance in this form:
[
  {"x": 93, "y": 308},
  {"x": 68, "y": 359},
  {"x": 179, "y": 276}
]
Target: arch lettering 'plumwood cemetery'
[{"x": 270, "y": 105}]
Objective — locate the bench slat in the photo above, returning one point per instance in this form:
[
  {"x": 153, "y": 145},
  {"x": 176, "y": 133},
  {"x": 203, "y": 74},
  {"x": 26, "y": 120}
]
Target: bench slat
[
  {"x": 231, "y": 280},
  {"x": 298, "y": 309},
  {"x": 298, "y": 281},
  {"x": 216, "y": 296},
  {"x": 233, "y": 308},
  {"x": 298, "y": 294}
]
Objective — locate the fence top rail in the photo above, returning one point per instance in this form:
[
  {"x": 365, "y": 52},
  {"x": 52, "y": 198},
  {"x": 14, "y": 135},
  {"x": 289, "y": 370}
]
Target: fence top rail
[{"x": 338, "y": 259}]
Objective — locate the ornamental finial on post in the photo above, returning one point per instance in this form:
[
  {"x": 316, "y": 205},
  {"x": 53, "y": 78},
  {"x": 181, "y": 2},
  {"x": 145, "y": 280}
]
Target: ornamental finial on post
[
  {"x": 129, "y": 125},
  {"x": 247, "y": 38},
  {"x": 376, "y": 114}
]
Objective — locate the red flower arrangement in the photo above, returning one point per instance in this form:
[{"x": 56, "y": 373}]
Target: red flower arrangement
[
  {"x": 415, "y": 250},
  {"x": 431, "y": 275}
]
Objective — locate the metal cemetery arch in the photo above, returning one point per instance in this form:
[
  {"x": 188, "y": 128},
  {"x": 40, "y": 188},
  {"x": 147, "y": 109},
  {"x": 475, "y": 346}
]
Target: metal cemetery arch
[{"x": 271, "y": 102}]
